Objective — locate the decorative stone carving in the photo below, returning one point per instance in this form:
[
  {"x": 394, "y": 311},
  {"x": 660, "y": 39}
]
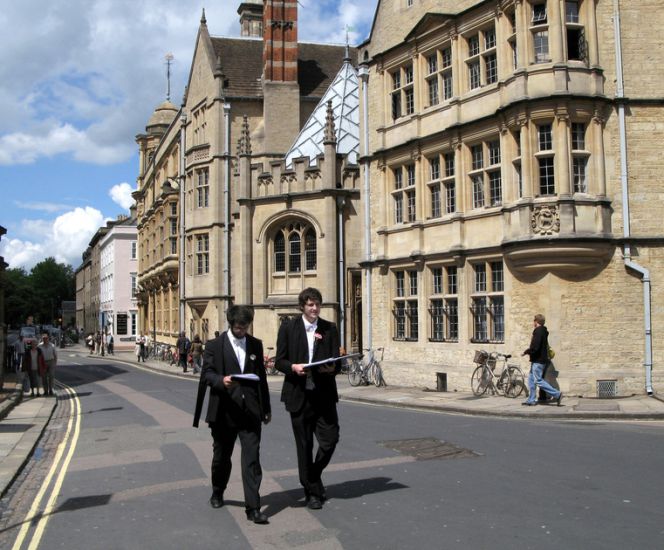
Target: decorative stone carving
[{"x": 545, "y": 220}]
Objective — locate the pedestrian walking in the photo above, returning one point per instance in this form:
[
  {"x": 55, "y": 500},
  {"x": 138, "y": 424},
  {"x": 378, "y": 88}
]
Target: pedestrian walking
[
  {"x": 538, "y": 351},
  {"x": 196, "y": 352},
  {"x": 109, "y": 343},
  {"x": 239, "y": 402},
  {"x": 19, "y": 350},
  {"x": 50, "y": 355},
  {"x": 310, "y": 394},
  {"x": 183, "y": 344},
  {"x": 32, "y": 363}
]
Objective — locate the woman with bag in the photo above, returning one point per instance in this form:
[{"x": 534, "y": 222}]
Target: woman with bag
[{"x": 196, "y": 352}]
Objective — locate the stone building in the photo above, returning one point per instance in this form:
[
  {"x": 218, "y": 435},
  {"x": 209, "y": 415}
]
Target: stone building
[
  {"x": 245, "y": 192},
  {"x": 515, "y": 168}
]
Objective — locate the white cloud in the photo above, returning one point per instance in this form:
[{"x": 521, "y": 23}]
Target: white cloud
[
  {"x": 121, "y": 194},
  {"x": 64, "y": 238},
  {"x": 44, "y": 206}
]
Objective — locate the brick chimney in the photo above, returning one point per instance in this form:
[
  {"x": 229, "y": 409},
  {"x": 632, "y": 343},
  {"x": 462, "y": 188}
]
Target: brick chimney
[
  {"x": 280, "y": 40},
  {"x": 281, "y": 92}
]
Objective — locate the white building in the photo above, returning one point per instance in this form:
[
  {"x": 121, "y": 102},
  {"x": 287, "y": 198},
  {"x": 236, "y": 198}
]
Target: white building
[{"x": 118, "y": 270}]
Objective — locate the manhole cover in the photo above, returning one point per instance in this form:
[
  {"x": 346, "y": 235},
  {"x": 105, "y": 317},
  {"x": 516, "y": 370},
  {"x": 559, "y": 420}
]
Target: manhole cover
[{"x": 428, "y": 448}]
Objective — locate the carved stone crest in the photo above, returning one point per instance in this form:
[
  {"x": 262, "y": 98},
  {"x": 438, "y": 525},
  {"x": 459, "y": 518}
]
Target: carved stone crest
[{"x": 545, "y": 220}]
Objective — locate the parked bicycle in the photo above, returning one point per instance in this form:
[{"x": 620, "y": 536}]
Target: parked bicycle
[
  {"x": 367, "y": 371},
  {"x": 508, "y": 381},
  {"x": 269, "y": 362}
]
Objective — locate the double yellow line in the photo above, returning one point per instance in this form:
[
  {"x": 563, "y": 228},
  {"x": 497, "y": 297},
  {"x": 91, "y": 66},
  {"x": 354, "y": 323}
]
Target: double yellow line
[{"x": 53, "y": 482}]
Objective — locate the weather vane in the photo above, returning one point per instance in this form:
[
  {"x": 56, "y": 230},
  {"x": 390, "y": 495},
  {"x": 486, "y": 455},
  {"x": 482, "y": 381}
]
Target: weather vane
[{"x": 169, "y": 59}]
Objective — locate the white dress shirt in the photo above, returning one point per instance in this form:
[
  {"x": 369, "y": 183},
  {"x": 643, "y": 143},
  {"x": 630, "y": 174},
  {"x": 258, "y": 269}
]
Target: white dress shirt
[
  {"x": 239, "y": 347},
  {"x": 310, "y": 329}
]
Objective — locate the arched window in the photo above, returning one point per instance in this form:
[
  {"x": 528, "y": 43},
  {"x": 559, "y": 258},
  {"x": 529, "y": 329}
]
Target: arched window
[
  {"x": 310, "y": 250},
  {"x": 279, "y": 252},
  {"x": 294, "y": 252},
  {"x": 301, "y": 252}
]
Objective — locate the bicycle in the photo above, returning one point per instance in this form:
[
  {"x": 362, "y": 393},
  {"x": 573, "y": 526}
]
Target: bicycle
[
  {"x": 510, "y": 379},
  {"x": 270, "y": 363},
  {"x": 367, "y": 372}
]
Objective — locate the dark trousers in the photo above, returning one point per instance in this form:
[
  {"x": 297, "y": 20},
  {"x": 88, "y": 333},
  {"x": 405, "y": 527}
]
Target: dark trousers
[
  {"x": 223, "y": 441},
  {"x": 323, "y": 423}
]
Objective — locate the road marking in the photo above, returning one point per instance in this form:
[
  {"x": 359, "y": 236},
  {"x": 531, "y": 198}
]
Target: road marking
[{"x": 59, "y": 466}]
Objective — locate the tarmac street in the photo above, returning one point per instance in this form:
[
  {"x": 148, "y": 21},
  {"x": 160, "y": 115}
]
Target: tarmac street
[{"x": 413, "y": 468}]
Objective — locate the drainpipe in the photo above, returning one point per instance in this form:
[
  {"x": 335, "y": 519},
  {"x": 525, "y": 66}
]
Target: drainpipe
[
  {"x": 226, "y": 283},
  {"x": 364, "y": 77},
  {"x": 182, "y": 176},
  {"x": 641, "y": 271},
  {"x": 341, "y": 203}
]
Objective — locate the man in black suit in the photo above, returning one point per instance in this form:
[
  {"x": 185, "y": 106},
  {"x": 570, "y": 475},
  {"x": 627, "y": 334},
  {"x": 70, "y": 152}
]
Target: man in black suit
[
  {"x": 236, "y": 407},
  {"x": 310, "y": 394}
]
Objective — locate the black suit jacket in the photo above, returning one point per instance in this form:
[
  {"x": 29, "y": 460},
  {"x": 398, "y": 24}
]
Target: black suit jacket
[
  {"x": 232, "y": 406},
  {"x": 293, "y": 348}
]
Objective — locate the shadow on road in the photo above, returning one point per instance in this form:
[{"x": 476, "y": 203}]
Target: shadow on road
[{"x": 276, "y": 502}]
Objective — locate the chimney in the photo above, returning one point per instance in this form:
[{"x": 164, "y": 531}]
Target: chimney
[
  {"x": 281, "y": 91},
  {"x": 280, "y": 40},
  {"x": 251, "y": 18}
]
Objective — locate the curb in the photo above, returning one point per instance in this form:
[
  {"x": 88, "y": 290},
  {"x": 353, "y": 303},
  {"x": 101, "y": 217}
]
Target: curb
[
  {"x": 506, "y": 414},
  {"x": 11, "y": 401}
]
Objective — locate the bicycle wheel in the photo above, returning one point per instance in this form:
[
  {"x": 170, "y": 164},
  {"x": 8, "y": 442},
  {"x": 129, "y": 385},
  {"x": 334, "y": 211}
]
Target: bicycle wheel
[
  {"x": 355, "y": 373},
  {"x": 480, "y": 380},
  {"x": 378, "y": 375},
  {"x": 515, "y": 382}
]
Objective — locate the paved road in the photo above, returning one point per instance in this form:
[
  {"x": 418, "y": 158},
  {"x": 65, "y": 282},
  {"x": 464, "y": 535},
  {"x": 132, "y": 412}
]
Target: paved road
[{"x": 137, "y": 477}]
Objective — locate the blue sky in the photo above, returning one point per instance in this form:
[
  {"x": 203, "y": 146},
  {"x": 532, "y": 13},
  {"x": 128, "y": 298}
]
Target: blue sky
[{"x": 78, "y": 80}]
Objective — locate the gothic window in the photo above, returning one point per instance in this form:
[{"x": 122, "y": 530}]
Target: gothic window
[{"x": 294, "y": 247}]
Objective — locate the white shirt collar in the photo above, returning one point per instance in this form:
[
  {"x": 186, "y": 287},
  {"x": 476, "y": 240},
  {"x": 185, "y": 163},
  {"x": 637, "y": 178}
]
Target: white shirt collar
[
  {"x": 310, "y": 327},
  {"x": 237, "y": 341}
]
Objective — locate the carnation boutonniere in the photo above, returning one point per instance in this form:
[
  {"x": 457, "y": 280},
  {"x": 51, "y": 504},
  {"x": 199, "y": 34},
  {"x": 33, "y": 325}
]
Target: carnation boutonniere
[
  {"x": 318, "y": 336},
  {"x": 252, "y": 357}
]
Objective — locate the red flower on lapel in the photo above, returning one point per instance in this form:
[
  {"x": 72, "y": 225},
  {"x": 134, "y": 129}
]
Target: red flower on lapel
[{"x": 318, "y": 336}]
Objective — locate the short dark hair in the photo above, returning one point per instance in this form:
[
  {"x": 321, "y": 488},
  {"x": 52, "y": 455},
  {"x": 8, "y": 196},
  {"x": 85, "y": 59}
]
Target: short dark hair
[
  {"x": 307, "y": 294},
  {"x": 240, "y": 315},
  {"x": 540, "y": 319}
]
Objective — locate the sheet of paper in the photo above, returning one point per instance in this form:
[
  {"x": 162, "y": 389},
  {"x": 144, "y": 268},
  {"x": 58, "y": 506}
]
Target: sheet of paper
[
  {"x": 251, "y": 377},
  {"x": 330, "y": 360}
]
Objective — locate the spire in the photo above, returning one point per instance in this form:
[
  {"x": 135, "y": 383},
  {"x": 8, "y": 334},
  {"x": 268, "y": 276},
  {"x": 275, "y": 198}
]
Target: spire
[
  {"x": 245, "y": 138},
  {"x": 203, "y": 20},
  {"x": 329, "y": 135}
]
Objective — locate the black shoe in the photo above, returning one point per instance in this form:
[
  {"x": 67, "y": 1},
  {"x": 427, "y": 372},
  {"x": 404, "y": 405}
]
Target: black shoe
[
  {"x": 314, "y": 503},
  {"x": 560, "y": 396},
  {"x": 529, "y": 404},
  {"x": 216, "y": 500},
  {"x": 257, "y": 517}
]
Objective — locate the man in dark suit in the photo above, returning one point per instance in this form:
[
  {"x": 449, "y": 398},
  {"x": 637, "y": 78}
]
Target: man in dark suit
[
  {"x": 236, "y": 407},
  {"x": 310, "y": 394}
]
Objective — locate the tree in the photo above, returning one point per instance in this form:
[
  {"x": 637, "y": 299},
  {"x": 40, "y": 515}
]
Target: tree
[
  {"x": 19, "y": 297},
  {"x": 39, "y": 293},
  {"x": 52, "y": 283}
]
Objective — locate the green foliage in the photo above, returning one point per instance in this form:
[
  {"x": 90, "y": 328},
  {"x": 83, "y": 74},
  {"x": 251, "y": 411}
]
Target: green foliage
[{"x": 39, "y": 293}]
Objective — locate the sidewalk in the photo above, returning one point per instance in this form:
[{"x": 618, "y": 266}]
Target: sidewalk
[{"x": 22, "y": 420}]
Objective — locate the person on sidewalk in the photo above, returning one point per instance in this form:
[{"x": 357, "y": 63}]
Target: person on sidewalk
[
  {"x": 310, "y": 394},
  {"x": 19, "y": 350},
  {"x": 140, "y": 348},
  {"x": 33, "y": 362},
  {"x": 196, "y": 352},
  {"x": 236, "y": 407},
  {"x": 50, "y": 356},
  {"x": 538, "y": 351},
  {"x": 183, "y": 344}
]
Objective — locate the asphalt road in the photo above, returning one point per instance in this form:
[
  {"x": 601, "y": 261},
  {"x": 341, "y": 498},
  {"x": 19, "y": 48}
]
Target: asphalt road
[{"x": 138, "y": 477}]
